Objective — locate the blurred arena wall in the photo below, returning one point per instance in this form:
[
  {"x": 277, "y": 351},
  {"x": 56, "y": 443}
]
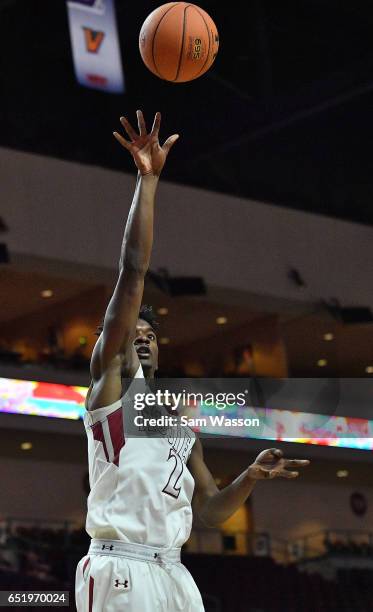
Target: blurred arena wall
[{"x": 74, "y": 213}]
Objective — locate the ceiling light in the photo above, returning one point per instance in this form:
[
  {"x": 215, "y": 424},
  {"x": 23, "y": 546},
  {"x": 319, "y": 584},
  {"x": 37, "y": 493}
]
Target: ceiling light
[
  {"x": 322, "y": 363},
  {"x": 26, "y": 446},
  {"x": 369, "y": 369},
  {"x": 221, "y": 320},
  {"x": 46, "y": 293},
  {"x": 342, "y": 473},
  {"x": 162, "y": 311},
  {"x": 328, "y": 336},
  {"x": 164, "y": 341}
]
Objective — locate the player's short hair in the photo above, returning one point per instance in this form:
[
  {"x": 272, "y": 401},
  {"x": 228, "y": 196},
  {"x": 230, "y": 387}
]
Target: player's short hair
[{"x": 146, "y": 314}]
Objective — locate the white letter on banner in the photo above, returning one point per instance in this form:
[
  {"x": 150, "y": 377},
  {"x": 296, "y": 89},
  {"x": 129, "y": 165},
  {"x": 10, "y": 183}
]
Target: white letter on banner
[{"x": 95, "y": 44}]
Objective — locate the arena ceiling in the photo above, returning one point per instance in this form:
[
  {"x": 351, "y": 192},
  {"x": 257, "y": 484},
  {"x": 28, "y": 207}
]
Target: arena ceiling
[{"x": 284, "y": 116}]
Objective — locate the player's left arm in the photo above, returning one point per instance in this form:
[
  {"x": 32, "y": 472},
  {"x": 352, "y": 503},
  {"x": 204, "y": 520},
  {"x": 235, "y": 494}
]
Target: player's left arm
[{"x": 214, "y": 506}]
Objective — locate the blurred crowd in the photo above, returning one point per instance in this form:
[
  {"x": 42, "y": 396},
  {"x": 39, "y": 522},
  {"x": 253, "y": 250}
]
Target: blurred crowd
[
  {"x": 45, "y": 553},
  {"x": 57, "y": 359},
  {"x": 41, "y": 553},
  {"x": 35, "y": 558},
  {"x": 348, "y": 548}
]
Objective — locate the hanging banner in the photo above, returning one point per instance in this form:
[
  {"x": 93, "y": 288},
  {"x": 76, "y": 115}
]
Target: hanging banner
[{"x": 95, "y": 44}]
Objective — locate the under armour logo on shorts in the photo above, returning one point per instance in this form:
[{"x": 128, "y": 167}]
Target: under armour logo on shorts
[
  {"x": 123, "y": 584},
  {"x": 109, "y": 547}
]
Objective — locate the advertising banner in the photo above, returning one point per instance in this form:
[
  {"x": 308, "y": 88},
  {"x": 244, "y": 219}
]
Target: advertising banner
[{"x": 95, "y": 44}]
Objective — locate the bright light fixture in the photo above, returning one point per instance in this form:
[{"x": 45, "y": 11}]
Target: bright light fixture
[
  {"x": 162, "y": 310},
  {"x": 221, "y": 320},
  {"x": 342, "y": 473},
  {"x": 26, "y": 446}
]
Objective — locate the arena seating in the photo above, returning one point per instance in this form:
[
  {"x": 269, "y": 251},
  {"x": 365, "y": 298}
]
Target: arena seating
[{"x": 229, "y": 583}]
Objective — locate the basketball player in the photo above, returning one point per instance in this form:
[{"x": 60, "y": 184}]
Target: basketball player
[{"x": 140, "y": 504}]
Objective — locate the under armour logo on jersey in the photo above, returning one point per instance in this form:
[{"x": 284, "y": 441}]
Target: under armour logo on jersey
[
  {"x": 123, "y": 584},
  {"x": 108, "y": 547}
]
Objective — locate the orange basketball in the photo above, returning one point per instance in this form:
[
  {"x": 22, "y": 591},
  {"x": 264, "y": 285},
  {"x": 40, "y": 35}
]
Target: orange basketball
[{"x": 178, "y": 42}]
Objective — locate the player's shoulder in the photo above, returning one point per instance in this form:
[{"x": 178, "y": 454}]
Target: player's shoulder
[{"x": 108, "y": 385}]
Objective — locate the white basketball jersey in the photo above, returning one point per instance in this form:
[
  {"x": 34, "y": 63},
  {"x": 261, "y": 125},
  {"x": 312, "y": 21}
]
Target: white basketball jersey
[{"x": 141, "y": 488}]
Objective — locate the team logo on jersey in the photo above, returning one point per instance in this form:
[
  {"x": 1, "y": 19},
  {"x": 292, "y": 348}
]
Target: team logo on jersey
[
  {"x": 119, "y": 584},
  {"x": 93, "y": 39}
]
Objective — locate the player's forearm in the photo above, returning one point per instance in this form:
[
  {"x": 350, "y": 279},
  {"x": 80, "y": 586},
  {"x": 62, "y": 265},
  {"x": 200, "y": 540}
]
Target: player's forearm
[
  {"x": 138, "y": 235},
  {"x": 223, "y": 504}
]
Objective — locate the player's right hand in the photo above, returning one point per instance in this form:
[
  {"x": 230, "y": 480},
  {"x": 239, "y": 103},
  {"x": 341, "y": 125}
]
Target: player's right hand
[{"x": 148, "y": 155}]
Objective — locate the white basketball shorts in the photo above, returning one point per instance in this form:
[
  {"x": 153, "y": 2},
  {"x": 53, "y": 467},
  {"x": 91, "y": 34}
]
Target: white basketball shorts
[{"x": 115, "y": 576}]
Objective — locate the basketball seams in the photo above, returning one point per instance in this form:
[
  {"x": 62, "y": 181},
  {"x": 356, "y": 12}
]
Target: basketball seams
[
  {"x": 182, "y": 44},
  {"x": 155, "y": 34},
  {"x": 208, "y": 35},
  {"x": 169, "y": 53}
]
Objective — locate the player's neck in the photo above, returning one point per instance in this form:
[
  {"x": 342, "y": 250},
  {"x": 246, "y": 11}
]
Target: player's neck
[{"x": 148, "y": 372}]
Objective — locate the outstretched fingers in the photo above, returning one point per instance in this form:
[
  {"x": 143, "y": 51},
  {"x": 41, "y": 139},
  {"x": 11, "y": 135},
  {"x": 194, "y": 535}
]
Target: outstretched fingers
[
  {"x": 287, "y": 474},
  {"x": 129, "y": 129},
  {"x": 127, "y": 145},
  {"x": 141, "y": 123},
  {"x": 295, "y": 463},
  {"x": 169, "y": 143},
  {"x": 156, "y": 125}
]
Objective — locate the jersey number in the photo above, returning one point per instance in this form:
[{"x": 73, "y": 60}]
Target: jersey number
[{"x": 171, "y": 487}]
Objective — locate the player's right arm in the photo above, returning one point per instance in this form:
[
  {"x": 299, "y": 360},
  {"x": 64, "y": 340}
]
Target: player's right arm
[{"x": 114, "y": 352}]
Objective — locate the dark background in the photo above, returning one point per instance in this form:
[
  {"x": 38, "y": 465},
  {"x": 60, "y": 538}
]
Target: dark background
[{"x": 284, "y": 116}]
